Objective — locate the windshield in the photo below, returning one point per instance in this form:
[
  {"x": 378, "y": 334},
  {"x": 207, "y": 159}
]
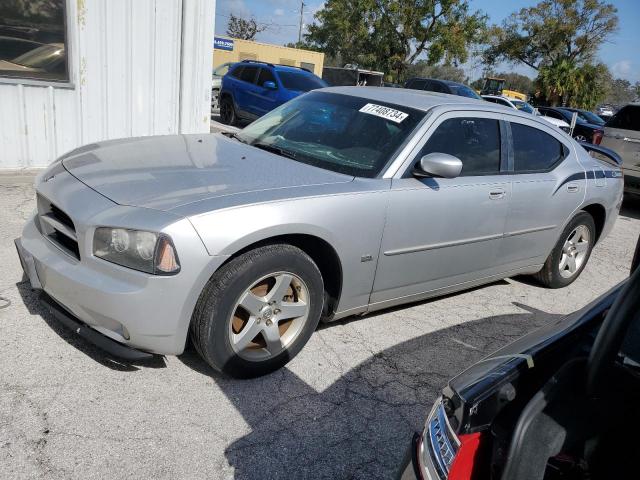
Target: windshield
[
  {"x": 590, "y": 117},
  {"x": 465, "y": 91},
  {"x": 342, "y": 133},
  {"x": 41, "y": 57},
  {"x": 522, "y": 106},
  {"x": 300, "y": 82},
  {"x": 221, "y": 70}
]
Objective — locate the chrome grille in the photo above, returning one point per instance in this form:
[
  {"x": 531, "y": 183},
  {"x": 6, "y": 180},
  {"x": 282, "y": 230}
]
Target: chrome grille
[{"x": 58, "y": 227}]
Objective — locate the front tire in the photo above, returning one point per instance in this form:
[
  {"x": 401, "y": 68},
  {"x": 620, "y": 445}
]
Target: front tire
[
  {"x": 258, "y": 311},
  {"x": 570, "y": 255},
  {"x": 228, "y": 114}
]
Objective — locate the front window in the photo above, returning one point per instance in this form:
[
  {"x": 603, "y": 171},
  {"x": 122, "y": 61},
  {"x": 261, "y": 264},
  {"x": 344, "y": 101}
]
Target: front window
[
  {"x": 33, "y": 40},
  {"x": 300, "y": 82},
  {"x": 475, "y": 141},
  {"x": 342, "y": 133}
]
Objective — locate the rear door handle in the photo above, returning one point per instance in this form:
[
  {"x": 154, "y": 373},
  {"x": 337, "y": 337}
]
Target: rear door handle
[
  {"x": 572, "y": 188},
  {"x": 632, "y": 140},
  {"x": 496, "y": 194}
]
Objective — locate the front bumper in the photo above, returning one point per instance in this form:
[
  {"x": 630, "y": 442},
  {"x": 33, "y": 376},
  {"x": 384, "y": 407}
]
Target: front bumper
[{"x": 99, "y": 299}]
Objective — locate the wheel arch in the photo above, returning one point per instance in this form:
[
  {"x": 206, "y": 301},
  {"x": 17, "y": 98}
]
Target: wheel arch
[
  {"x": 321, "y": 252},
  {"x": 599, "y": 215}
]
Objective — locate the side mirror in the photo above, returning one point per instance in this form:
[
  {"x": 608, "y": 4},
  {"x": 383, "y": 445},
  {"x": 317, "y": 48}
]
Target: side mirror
[
  {"x": 438, "y": 165},
  {"x": 270, "y": 85}
]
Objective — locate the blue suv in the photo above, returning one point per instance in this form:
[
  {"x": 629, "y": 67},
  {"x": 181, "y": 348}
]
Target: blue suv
[{"x": 250, "y": 89}]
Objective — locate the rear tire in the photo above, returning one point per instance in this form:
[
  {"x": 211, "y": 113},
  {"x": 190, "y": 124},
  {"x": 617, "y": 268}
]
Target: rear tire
[
  {"x": 571, "y": 254},
  {"x": 244, "y": 323},
  {"x": 228, "y": 114}
]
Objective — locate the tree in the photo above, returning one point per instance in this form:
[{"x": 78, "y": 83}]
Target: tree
[
  {"x": 621, "y": 92},
  {"x": 389, "y": 35},
  {"x": 578, "y": 86},
  {"x": 552, "y": 32},
  {"x": 243, "y": 29}
]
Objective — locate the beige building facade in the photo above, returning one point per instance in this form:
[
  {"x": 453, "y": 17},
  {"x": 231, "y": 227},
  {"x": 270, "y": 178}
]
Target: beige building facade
[{"x": 233, "y": 50}]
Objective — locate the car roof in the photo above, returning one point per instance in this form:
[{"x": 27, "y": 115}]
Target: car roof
[
  {"x": 277, "y": 67},
  {"x": 425, "y": 100}
]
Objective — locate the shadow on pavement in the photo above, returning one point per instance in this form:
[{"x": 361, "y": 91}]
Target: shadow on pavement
[
  {"x": 361, "y": 425},
  {"x": 32, "y": 302}
]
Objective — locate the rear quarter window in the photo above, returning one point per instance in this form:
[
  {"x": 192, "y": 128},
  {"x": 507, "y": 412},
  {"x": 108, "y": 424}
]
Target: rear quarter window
[{"x": 534, "y": 150}]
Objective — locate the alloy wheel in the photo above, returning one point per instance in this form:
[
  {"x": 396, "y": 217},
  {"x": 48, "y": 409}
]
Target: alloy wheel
[
  {"x": 269, "y": 316},
  {"x": 575, "y": 251}
]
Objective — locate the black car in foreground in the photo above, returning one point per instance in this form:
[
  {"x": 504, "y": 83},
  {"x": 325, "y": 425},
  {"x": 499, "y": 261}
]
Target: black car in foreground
[
  {"x": 560, "y": 403},
  {"x": 589, "y": 127}
]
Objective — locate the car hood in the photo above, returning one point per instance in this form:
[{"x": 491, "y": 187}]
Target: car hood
[{"x": 170, "y": 171}]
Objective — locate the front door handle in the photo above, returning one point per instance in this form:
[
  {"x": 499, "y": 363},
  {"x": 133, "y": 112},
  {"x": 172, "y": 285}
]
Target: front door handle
[
  {"x": 496, "y": 194},
  {"x": 632, "y": 140}
]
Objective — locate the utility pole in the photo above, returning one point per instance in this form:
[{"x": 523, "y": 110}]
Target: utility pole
[{"x": 300, "y": 29}]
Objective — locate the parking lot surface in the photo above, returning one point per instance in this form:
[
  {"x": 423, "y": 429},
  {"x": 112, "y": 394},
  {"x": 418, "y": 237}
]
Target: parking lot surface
[{"x": 345, "y": 407}]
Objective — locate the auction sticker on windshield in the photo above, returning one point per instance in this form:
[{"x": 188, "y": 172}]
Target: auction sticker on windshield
[{"x": 384, "y": 112}]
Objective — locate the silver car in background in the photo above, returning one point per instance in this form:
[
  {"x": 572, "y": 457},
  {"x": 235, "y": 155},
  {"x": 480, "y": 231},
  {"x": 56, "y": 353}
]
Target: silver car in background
[{"x": 343, "y": 201}]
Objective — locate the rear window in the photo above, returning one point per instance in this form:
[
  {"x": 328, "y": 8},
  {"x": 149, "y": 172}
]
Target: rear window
[
  {"x": 628, "y": 118},
  {"x": 300, "y": 82},
  {"x": 534, "y": 150},
  {"x": 416, "y": 84}
]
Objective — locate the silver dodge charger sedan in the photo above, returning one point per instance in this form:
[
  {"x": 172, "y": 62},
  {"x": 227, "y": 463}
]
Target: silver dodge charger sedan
[{"x": 341, "y": 202}]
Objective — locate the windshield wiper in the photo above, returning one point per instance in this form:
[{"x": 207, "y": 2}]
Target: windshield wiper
[
  {"x": 273, "y": 149},
  {"x": 233, "y": 135}
]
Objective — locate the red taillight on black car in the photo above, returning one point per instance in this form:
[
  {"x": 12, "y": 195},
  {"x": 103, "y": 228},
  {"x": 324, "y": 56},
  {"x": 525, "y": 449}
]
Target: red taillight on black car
[{"x": 597, "y": 137}]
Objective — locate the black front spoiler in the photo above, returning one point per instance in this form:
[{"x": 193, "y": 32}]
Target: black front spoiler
[{"x": 98, "y": 339}]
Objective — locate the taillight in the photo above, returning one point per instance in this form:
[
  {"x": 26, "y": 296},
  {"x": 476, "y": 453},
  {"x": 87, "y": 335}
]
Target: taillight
[
  {"x": 597, "y": 137},
  {"x": 465, "y": 459}
]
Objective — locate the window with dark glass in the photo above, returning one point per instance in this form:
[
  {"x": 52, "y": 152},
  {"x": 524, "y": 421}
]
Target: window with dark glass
[
  {"x": 33, "y": 40},
  {"x": 265, "y": 76},
  {"x": 475, "y": 141},
  {"x": 237, "y": 72},
  {"x": 249, "y": 74},
  {"x": 534, "y": 150}
]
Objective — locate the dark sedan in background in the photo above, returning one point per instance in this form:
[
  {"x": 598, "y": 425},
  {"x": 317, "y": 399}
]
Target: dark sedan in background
[
  {"x": 589, "y": 127},
  {"x": 559, "y": 403},
  {"x": 441, "y": 86}
]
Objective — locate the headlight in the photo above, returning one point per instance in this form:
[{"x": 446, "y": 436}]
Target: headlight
[{"x": 144, "y": 251}]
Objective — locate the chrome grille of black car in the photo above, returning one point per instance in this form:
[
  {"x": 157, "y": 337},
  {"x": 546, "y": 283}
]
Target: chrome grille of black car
[{"x": 58, "y": 227}]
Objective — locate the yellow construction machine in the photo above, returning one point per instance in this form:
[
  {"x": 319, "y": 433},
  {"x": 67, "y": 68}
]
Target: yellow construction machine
[{"x": 495, "y": 86}]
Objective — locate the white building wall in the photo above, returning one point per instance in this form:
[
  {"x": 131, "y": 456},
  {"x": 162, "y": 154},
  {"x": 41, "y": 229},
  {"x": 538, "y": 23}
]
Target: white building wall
[{"x": 137, "y": 67}]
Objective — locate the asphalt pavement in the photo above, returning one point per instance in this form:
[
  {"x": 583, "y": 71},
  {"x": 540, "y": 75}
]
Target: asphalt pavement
[{"x": 345, "y": 407}]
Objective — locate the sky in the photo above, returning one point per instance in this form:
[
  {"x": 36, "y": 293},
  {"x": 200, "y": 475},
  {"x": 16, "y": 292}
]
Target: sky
[{"x": 621, "y": 53}]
